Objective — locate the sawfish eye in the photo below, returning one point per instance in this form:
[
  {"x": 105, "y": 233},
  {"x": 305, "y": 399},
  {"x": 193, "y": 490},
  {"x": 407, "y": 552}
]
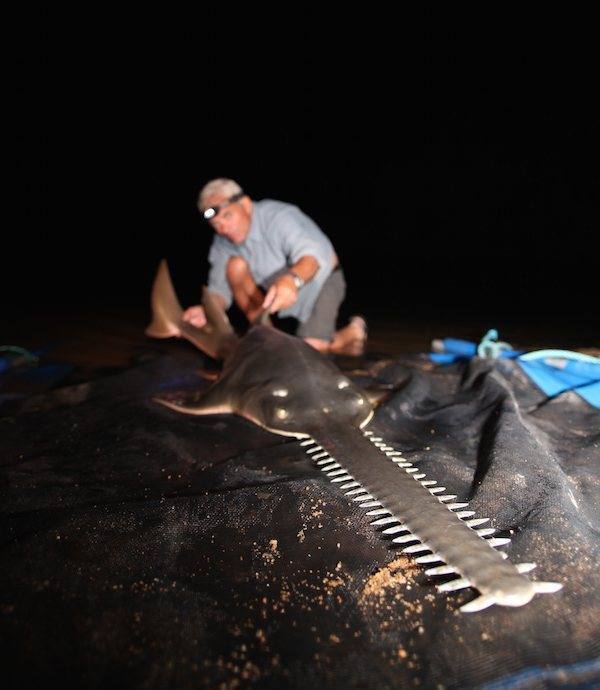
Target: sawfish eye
[{"x": 281, "y": 413}]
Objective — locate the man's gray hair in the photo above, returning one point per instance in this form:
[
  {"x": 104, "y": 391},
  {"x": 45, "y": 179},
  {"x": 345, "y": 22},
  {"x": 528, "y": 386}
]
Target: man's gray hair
[{"x": 222, "y": 185}]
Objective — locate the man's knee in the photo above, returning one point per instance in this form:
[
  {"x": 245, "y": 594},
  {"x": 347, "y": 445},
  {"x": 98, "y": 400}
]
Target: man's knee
[{"x": 237, "y": 269}]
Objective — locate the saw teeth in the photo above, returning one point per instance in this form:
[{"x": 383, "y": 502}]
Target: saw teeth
[
  {"x": 353, "y": 492},
  {"x": 454, "y": 585},
  {"x": 437, "y": 490},
  {"x": 336, "y": 472},
  {"x": 403, "y": 464},
  {"x": 384, "y": 521},
  {"x": 350, "y": 485},
  {"x": 308, "y": 442},
  {"x": 476, "y": 522},
  {"x": 429, "y": 558},
  {"x": 367, "y": 433},
  {"x": 340, "y": 479},
  {"x": 479, "y": 604},
  {"x": 498, "y": 541},
  {"x": 446, "y": 498},
  {"x": 429, "y": 482},
  {"x": 456, "y": 506},
  {"x": 416, "y": 548},
  {"x": 330, "y": 465},
  {"x": 366, "y": 497},
  {"x": 370, "y": 504},
  {"x": 464, "y": 513},
  {"x": 404, "y": 539},
  {"x": 410, "y": 470},
  {"x": 395, "y": 530},
  {"x": 486, "y": 531},
  {"x": 381, "y": 511},
  {"x": 419, "y": 476},
  {"x": 393, "y": 453},
  {"x": 525, "y": 567},
  {"x": 375, "y": 439},
  {"x": 441, "y": 570},
  {"x": 324, "y": 454},
  {"x": 313, "y": 450},
  {"x": 546, "y": 587}
]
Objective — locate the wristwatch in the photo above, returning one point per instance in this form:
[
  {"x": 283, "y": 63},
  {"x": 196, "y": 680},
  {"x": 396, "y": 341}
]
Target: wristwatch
[{"x": 298, "y": 281}]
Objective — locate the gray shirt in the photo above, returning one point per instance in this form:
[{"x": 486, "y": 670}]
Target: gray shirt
[{"x": 280, "y": 234}]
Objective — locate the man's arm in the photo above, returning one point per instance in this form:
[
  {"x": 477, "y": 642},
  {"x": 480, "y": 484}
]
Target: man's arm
[{"x": 283, "y": 293}]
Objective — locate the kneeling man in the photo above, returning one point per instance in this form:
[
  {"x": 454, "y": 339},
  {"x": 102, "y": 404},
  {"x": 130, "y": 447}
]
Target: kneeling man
[{"x": 268, "y": 255}]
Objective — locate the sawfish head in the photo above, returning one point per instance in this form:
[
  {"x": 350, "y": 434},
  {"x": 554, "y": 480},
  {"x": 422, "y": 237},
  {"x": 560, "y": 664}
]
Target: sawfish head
[{"x": 284, "y": 385}]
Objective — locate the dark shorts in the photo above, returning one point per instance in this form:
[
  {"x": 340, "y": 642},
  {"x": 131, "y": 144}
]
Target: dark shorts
[{"x": 323, "y": 319}]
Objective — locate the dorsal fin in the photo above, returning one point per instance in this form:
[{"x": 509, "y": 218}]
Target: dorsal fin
[{"x": 216, "y": 339}]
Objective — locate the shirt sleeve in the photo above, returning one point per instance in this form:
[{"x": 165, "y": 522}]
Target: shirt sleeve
[
  {"x": 300, "y": 236},
  {"x": 217, "y": 280}
]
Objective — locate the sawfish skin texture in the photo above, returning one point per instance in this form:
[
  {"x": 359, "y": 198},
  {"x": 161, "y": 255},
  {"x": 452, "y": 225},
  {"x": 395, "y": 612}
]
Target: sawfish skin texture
[{"x": 284, "y": 385}]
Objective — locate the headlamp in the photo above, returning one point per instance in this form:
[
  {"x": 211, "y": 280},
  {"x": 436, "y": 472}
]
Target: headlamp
[{"x": 212, "y": 211}]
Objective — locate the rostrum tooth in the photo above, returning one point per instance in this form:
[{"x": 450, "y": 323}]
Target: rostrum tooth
[
  {"x": 429, "y": 558},
  {"x": 384, "y": 521},
  {"x": 419, "y": 476},
  {"x": 546, "y": 587},
  {"x": 395, "y": 529},
  {"x": 340, "y": 479},
  {"x": 446, "y": 498},
  {"x": 314, "y": 450},
  {"x": 476, "y": 521},
  {"x": 366, "y": 497},
  {"x": 454, "y": 585},
  {"x": 465, "y": 513},
  {"x": 441, "y": 570},
  {"x": 353, "y": 492},
  {"x": 479, "y": 604},
  {"x": 429, "y": 482},
  {"x": 525, "y": 567},
  {"x": 324, "y": 454},
  {"x": 486, "y": 531},
  {"x": 307, "y": 442},
  {"x": 404, "y": 539},
  {"x": 498, "y": 541},
  {"x": 336, "y": 472},
  {"x": 437, "y": 490},
  {"x": 330, "y": 466},
  {"x": 370, "y": 504},
  {"x": 350, "y": 485},
  {"x": 325, "y": 461},
  {"x": 456, "y": 506},
  {"x": 381, "y": 511},
  {"x": 416, "y": 548}
]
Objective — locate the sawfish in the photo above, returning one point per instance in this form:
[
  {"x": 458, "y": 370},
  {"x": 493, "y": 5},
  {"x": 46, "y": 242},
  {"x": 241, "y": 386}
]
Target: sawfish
[{"x": 285, "y": 386}]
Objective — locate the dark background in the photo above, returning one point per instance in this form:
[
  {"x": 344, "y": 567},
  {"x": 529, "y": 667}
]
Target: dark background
[{"x": 456, "y": 173}]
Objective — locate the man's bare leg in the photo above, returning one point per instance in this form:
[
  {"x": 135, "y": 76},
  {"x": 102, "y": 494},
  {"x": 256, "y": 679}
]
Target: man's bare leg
[
  {"x": 246, "y": 293},
  {"x": 350, "y": 340}
]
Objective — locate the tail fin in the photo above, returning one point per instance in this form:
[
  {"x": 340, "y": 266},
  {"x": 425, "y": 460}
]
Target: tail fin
[{"x": 217, "y": 338}]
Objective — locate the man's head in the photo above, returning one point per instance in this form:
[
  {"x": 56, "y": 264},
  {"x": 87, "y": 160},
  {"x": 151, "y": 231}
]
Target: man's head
[{"x": 228, "y": 210}]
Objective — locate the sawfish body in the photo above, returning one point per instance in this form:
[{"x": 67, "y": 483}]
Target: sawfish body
[{"x": 285, "y": 386}]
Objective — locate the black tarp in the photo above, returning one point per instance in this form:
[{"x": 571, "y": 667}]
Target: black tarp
[{"x": 142, "y": 548}]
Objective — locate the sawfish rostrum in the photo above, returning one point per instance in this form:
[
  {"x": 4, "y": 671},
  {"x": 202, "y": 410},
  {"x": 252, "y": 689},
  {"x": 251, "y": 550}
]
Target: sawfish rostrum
[{"x": 282, "y": 384}]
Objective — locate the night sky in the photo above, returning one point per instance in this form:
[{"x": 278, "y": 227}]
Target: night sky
[{"x": 453, "y": 183}]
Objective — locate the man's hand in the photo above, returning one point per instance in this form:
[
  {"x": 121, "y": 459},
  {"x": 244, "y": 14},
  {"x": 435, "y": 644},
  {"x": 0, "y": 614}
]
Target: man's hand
[
  {"x": 281, "y": 295},
  {"x": 195, "y": 315}
]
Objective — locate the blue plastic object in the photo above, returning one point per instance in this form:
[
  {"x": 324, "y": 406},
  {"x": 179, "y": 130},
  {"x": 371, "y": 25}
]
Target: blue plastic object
[{"x": 558, "y": 371}]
